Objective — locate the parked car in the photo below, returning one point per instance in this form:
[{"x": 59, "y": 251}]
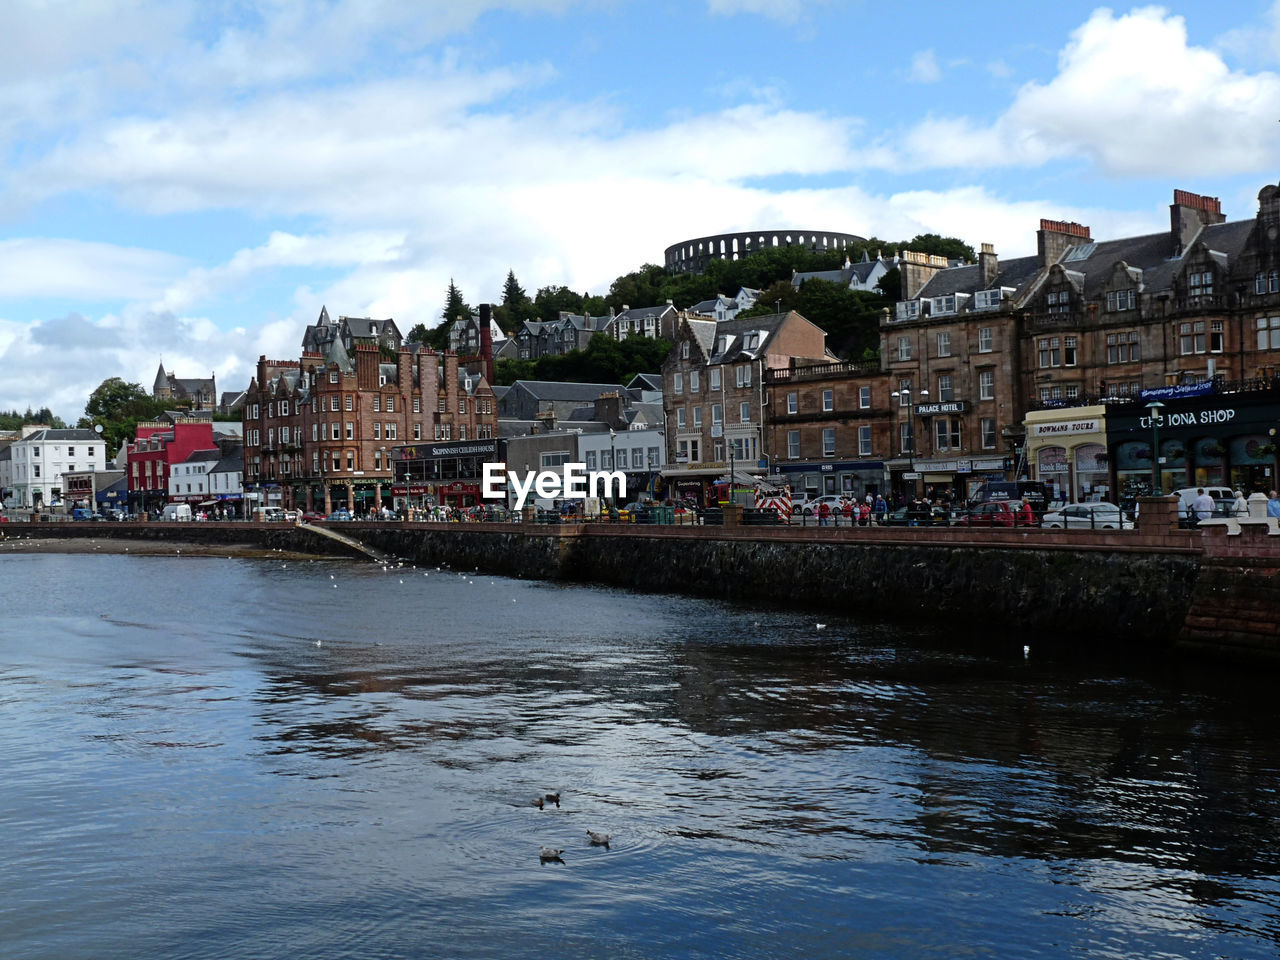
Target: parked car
[
  {"x": 1088, "y": 516},
  {"x": 995, "y": 513},
  {"x": 835, "y": 502},
  {"x": 1223, "y": 500},
  {"x": 310, "y": 516},
  {"x": 340, "y": 514},
  {"x": 631, "y": 512},
  {"x": 938, "y": 516}
]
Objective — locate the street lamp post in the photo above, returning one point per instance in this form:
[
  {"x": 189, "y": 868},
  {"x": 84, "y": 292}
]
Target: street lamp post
[
  {"x": 905, "y": 393},
  {"x": 1157, "y": 481},
  {"x": 613, "y": 462}
]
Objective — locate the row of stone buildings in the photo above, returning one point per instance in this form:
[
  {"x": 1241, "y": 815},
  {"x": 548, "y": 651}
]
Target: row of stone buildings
[{"x": 973, "y": 351}]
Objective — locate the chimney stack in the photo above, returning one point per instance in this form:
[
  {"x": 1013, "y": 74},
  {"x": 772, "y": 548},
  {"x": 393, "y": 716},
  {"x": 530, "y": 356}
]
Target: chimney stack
[
  {"x": 1056, "y": 237},
  {"x": 988, "y": 265},
  {"x": 486, "y": 342},
  {"x": 1188, "y": 213}
]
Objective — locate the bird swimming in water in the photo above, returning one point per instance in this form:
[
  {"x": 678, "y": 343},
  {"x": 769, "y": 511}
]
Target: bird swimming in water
[
  {"x": 553, "y": 798},
  {"x": 538, "y": 802},
  {"x": 821, "y": 626},
  {"x": 549, "y": 853},
  {"x": 598, "y": 839}
]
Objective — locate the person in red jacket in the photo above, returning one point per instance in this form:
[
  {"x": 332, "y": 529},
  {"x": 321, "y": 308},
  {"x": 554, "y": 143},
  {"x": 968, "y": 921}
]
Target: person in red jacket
[
  {"x": 824, "y": 514},
  {"x": 1026, "y": 516}
]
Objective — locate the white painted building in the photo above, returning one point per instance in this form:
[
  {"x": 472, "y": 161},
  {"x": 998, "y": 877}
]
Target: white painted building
[
  {"x": 39, "y": 459},
  {"x": 189, "y": 480}
]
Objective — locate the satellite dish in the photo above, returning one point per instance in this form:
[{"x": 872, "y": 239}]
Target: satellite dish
[{"x": 97, "y": 428}]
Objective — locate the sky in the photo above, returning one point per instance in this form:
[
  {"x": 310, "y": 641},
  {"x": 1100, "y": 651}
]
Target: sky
[{"x": 188, "y": 182}]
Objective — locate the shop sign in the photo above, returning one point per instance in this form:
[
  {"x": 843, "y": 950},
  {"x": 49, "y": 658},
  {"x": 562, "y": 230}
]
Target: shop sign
[
  {"x": 964, "y": 466},
  {"x": 1168, "y": 393},
  {"x": 1192, "y": 418},
  {"x": 912, "y": 475},
  {"x": 1064, "y": 428},
  {"x": 413, "y": 490},
  {"x": 930, "y": 409}
]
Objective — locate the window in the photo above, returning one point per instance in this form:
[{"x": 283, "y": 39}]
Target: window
[
  {"x": 793, "y": 399},
  {"x": 637, "y": 458},
  {"x": 1073, "y": 391},
  {"x": 904, "y": 348},
  {"x": 1059, "y": 301},
  {"x": 986, "y": 385},
  {"x": 1068, "y": 351},
  {"x": 717, "y": 413},
  {"x": 441, "y": 406},
  {"x": 334, "y": 429},
  {"x": 829, "y": 442},
  {"x": 653, "y": 456},
  {"x": 333, "y": 376},
  {"x": 391, "y": 404},
  {"x": 347, "y": 403},
  {"x": 942, "y": 306},
  {"x": 1121, "y": 300},
  {"x": 333, "y": 402},
  {"x": 390, "y": 431},
  {"x": 377, "y": 404},
  {"x": 904, "y": 393},
  {"x": 988, "y": 433},
  {"x": 1191, "y": 337},
  {"x": 987, "y": 300},
  {"x": 744, "y": 412},
  {"x": 908, "y": 310},
  {"x": 743, "y": 375},
  {"x": 945, "y": 394},
  {"x": 984, "y": 339},
  {"x": 1200, "y": 284},
  {"x": 351, "y": 461},
  {"x": 1269, "y": 333},
  {"x": 1215, "y": 336},
  {"x": 828, "y": 401},
  {"x": 555, "y": 458},
  {"x": 417, "y": 431},
  {"x": 377, "y": 430},
  {"x": 71, "y": 452},
  {"x": 697, "y": 417},
  {"x": 694, "y": 381},
  {"x": 462, "y": 404},
  {"x": 1122, "y": 347},
  {"x": 946, "y": 431},
  {"x": 1049, "y": 352},
  {"x": 864, "y": 398},
  {"x": 944, "y": 343},
  {"x": 417, "y": 404},
  {"x": 680, "y": 418},
  {"x": 864, "y": 441},
  {"x": 904, "y": 438},
  {"x": 715, "y": 378},
  {"x": 462, "y": 432},
  {"x": 677, "y": 380},
  {"x": 793, "y": 444},
  {"x": 591, "y": 459},
  {"x": 314, "y": 436},
  {"x": 684, "y": 350},
  {"x": 351, "y": 430}
]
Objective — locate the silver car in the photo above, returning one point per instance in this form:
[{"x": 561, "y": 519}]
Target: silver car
[{"x": 1088, "y": 516}]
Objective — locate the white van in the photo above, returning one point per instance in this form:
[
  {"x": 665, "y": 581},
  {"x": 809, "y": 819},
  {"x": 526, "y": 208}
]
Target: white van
[
  {"x": 1223, "y": 498},
  {"x": 177, "y": 511}
]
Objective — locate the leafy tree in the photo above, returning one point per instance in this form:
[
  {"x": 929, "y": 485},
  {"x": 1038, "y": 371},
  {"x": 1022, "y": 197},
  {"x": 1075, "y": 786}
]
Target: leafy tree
[
  {"x": 13, "y": 420},
  {"x": 605, "y": 360},
  {"x": 551, "y": 300},
  {"x": 949, "y": 247},
  {"x": 455, "y": 308},
  {"x": 418, "y": 333},
  {"x": 118, "y": 406}
]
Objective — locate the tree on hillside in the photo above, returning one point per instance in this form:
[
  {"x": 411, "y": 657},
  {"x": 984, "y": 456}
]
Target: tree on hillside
[
  {"x": 551, "y": 300},
  {"x": 949, "y": 247},
  {"x": 605, "y": 360},
  {"x": 13, "y": 420},
  {"x": 516, "y": 307}
]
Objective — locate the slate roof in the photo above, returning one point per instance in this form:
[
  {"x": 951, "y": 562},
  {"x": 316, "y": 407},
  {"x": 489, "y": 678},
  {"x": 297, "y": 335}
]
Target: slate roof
[
  {"x": 646, "y": 381},
  {"x": 565, "y": 390},
  {"x": 204, "y": 456},
  {"x": 51, "y": 435}
]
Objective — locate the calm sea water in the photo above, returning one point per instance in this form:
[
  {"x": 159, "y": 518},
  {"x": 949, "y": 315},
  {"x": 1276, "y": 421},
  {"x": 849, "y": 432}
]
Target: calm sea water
[{"x": 250, "y": 758}]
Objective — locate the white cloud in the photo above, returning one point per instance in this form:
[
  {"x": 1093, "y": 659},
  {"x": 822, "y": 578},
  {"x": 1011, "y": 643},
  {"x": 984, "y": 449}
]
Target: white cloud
[
  {"x": 34, "y": 268},
  {"x": 1132, "y": 96},
  {"x": 924, "y": 68}
]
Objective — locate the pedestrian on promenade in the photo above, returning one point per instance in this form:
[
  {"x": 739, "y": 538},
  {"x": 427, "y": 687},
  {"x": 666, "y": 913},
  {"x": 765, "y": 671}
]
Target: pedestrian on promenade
[
  {"x": 1026, "y": 516},
  {"x": 881, "y": 509},
  {"x": 824, "y": 514},
  {"x": 1241, "y": 506},
  {"x": 849, "y": 509},
  {"x": 1273, "y": 506},
  {"x": 1202, "y": 505},
  {"x": 864, "y": 515}
]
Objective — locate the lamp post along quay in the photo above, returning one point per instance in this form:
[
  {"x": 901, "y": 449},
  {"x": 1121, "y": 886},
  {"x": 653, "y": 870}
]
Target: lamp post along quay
[
  {"x": 1154, "y": 409},
  {"x": 906, "y": 394}
]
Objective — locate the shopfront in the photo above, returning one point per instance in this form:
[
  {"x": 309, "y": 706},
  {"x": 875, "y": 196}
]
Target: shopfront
[
  {"x": 442, "y": 474},
  {"x": 1067, "y": 451},
  {"x": 849, "y": 478},
  {"x": 955, "y": 479},
  {"x": 1218, "y": 439}
]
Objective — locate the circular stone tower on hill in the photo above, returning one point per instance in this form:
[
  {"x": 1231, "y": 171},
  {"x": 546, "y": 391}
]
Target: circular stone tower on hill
[{"x": 692, "y": 256}]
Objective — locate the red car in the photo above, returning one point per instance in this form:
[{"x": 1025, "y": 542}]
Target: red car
[{"x": 995, "y": 513}]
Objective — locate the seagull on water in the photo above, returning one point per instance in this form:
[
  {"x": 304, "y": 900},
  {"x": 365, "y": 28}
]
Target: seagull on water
[
  {"x": 821, "y": 626},
  {"x": 598, "y": 839},
  {"x": 549, "y": 853}
]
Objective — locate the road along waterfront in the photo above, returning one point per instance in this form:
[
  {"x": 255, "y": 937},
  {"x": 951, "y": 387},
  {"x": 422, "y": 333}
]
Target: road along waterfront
[{"x": 211, "y": 757}]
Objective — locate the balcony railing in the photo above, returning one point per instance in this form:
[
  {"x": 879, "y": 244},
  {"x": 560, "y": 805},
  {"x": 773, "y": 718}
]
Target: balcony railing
[{"x": 820, "y": 371}]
